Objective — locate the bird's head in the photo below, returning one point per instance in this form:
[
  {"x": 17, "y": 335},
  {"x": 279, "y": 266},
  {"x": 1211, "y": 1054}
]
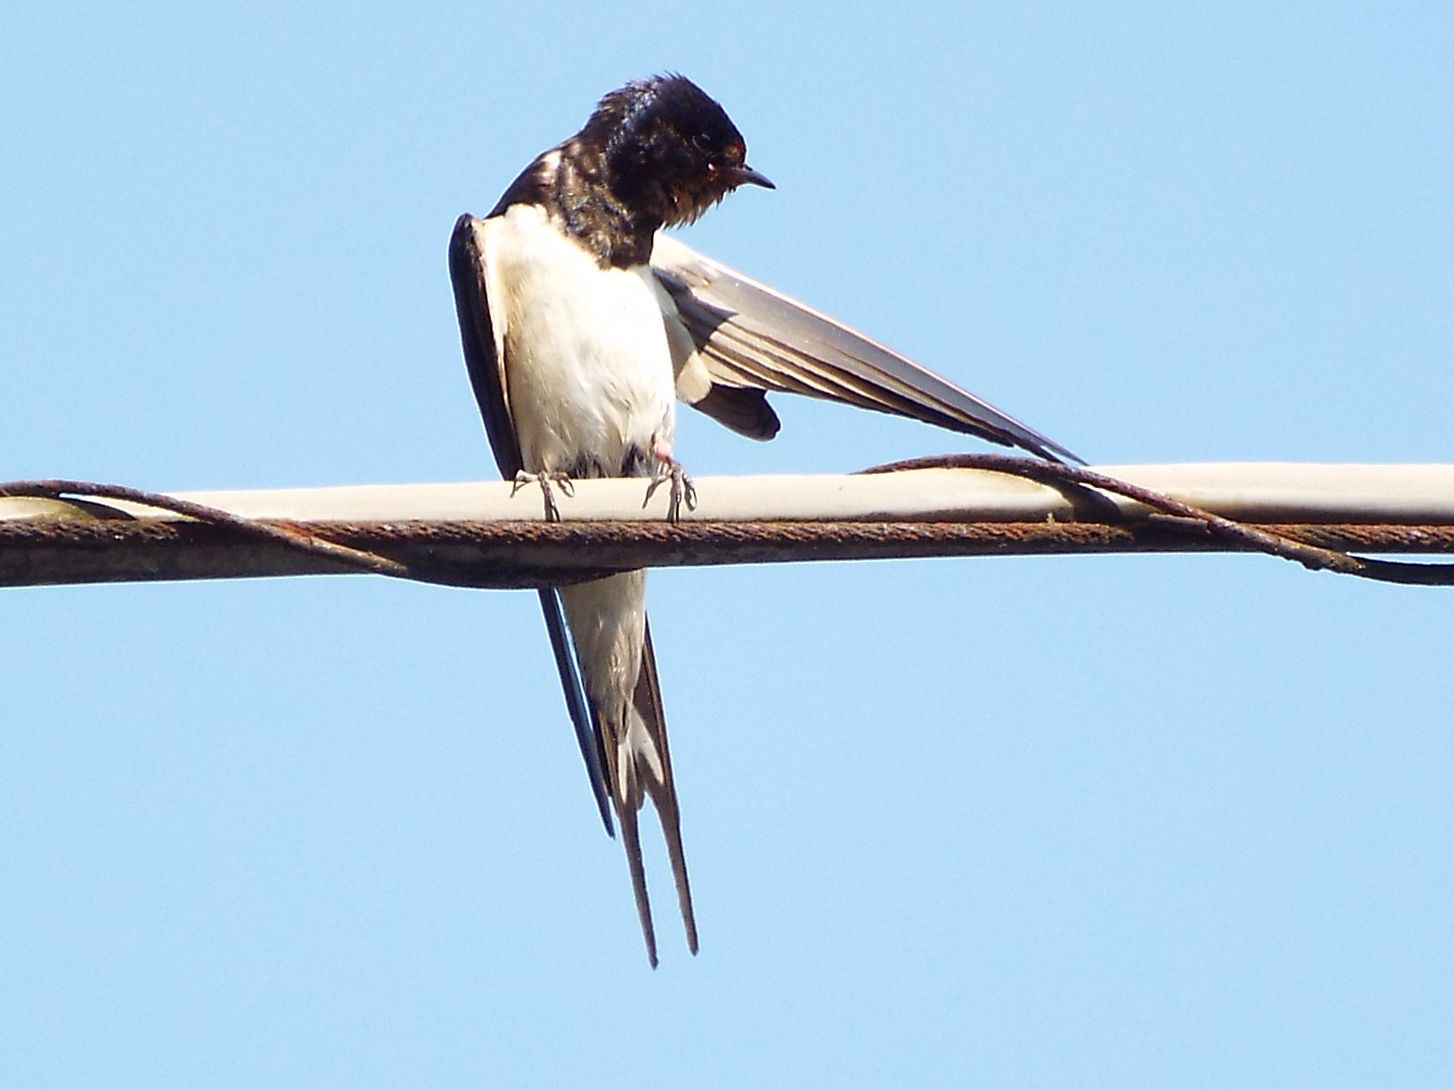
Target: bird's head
[{"x": 671, "y": 152}]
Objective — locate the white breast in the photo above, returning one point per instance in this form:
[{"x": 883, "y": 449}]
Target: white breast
[{"x": 587, "y": 369}]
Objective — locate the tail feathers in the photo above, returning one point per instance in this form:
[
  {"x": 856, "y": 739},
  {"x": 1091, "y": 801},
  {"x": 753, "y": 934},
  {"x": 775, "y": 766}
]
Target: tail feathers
[
  {"x": 639, "y": 765},
  {"x": 631, "y": 840},
  {"x": 632, "y": 764},
  {"x": 588, "y": 734},
  {"x": 662, "y": 787}
]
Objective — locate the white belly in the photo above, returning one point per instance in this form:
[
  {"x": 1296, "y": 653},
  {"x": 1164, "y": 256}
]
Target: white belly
[{"x": 587, "y": 369}]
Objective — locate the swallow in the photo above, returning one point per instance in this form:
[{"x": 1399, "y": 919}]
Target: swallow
[{"x": 582, "y": 326}]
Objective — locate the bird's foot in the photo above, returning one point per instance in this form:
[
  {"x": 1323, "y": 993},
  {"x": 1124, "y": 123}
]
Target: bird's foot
[
  {"x": 545, "y": 480},
  {"x": 682, "y": 489}
]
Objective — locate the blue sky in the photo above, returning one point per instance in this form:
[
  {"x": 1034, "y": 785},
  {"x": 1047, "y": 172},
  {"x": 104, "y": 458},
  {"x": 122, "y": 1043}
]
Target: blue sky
[{"x": 1103, "y": 821}]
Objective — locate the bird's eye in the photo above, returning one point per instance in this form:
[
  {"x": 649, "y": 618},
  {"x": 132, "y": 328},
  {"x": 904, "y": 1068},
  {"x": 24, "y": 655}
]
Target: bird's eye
[{"x": 702, "y": 141}]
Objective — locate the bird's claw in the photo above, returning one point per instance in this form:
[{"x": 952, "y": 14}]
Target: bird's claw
[
  {"x": 545, "y": 480},
  {"x": 682, "y": 489}
]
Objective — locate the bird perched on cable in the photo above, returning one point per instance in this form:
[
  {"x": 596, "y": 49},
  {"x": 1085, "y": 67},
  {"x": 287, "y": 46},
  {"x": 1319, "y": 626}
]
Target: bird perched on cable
[{"x": 580, "y": 329}]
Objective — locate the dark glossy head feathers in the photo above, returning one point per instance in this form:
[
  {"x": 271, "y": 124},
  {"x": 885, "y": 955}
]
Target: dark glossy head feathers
[
  {"x": 670, "y": 151},
  {"x": 656, "y": 153}
]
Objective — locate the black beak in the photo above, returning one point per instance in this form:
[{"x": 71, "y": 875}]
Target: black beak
[{"x": 745, "y": 175}]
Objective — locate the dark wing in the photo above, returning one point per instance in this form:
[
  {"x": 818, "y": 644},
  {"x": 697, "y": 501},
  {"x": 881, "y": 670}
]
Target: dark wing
[
  {"x": 734, "y": 340},
  {"x": 483, "y": 339}
]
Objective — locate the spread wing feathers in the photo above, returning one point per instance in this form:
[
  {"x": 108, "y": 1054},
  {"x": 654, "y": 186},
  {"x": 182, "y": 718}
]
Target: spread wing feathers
[
  {"x": 639, "y": 764},
  {"x": 483, "y": 339},
  {"x": 744, "y": 339}
]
